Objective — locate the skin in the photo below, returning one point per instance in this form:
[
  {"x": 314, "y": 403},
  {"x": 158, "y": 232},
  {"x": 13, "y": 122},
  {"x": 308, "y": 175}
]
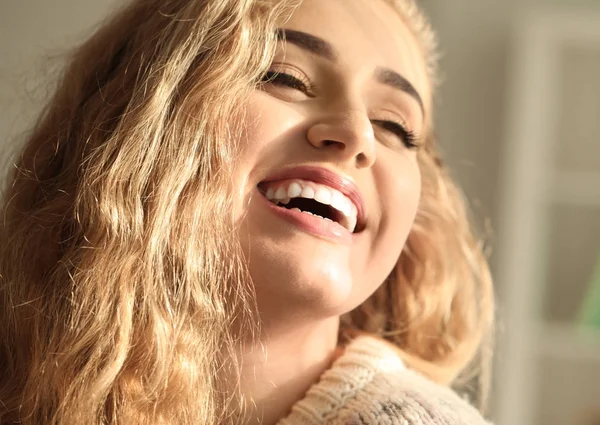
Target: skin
[{"x": 304, "y": 282}]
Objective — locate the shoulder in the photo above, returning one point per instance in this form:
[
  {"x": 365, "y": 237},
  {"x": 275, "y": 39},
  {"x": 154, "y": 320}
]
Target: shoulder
[{"x": 369, "y": 384}]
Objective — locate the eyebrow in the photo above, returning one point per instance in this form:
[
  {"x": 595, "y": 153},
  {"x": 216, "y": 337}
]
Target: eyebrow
[
  {"x": 393, "y": 79},
  {"x": 308, "y": 42},
  {"x": 324, "y": 49}
]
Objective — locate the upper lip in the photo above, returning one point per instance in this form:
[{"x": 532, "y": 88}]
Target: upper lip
[{"x": 329, "y": 178}]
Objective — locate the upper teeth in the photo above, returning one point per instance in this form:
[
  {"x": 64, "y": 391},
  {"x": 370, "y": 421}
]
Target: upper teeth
[{"x": 283, "y": 192}]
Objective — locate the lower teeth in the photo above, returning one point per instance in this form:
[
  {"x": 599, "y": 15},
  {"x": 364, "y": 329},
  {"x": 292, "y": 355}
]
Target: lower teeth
[{"x": 307, "y": 212}]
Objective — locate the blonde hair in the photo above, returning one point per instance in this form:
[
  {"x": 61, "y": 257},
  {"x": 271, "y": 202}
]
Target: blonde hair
[{"x": 121, "y": 298}]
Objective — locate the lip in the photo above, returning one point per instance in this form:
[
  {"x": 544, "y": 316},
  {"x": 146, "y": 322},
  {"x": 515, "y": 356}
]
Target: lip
[
  {"x": 328, "y": 178},
  {"x": 327, "y": 230}
]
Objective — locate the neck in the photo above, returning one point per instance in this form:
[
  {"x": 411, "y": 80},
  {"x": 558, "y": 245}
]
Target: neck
[{"x": 277, "y": 371}]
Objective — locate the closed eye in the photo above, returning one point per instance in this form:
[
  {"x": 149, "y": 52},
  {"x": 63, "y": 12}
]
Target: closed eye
[
  {"x": 277, "y": 78},
  {"x": 408, "y": 137},
  {"x": 287, "y": 80}
]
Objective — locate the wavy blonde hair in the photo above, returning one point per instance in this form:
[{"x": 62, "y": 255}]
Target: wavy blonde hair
[{"x": 121, "y": 298}]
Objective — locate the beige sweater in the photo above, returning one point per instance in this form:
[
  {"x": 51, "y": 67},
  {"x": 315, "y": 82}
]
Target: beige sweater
[{"x": 369, "y": 384}]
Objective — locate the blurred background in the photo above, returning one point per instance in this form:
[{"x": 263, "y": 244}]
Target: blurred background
[{"x": 518, "y": 118}]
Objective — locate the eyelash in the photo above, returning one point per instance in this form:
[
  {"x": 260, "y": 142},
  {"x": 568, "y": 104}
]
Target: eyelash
[
  {"x": 288, "y": 80},
  {"x": 407, "y": 136}
]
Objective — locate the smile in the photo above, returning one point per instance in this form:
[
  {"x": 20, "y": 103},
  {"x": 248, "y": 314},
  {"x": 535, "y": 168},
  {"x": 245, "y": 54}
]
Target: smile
[
  {"x": 317, "y": 200},
  {"x": 314, "y": 199}
]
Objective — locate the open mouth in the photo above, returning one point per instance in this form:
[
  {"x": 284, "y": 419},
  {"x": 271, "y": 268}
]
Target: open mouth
[{"x": 314, "y": 199}]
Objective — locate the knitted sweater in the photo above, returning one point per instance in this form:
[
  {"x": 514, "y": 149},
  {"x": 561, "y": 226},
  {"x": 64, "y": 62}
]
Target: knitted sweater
[{"x": 369, "y": 384}]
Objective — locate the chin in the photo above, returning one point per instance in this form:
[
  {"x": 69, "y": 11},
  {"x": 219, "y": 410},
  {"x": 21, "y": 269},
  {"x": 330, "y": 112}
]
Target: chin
[{"x": 300, "y": 279}]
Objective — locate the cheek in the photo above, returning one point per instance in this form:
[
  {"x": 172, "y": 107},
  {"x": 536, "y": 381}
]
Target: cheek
[
  {"x": 267, "y": 121},
  {"x": 403, "y": 190},
  {"x": 398, "y": 183},
  {"x": 399, "y": 191},
  {"x": 267, "y": 125}
]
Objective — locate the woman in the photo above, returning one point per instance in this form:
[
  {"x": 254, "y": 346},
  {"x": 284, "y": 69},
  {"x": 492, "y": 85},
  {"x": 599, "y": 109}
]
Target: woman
[{"x": 232, "y": 211}]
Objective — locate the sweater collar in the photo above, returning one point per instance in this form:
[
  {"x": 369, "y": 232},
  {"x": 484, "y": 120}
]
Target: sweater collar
[{"x": 363, "y": 358}]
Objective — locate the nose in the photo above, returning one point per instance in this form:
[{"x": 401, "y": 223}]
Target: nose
[{"x": 348, "y": 135}]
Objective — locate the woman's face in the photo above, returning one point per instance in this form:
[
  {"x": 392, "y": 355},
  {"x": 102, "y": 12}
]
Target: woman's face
[{"x": 328, "y": 178}]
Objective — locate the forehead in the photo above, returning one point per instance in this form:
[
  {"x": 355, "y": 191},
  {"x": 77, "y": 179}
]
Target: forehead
[{"x": 367, "y": 34}]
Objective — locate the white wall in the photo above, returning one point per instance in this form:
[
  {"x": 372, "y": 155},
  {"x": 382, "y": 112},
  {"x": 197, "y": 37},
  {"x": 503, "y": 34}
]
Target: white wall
[
  {"x": 32, "y": 34},
  {"x": 476, "y": 41}
]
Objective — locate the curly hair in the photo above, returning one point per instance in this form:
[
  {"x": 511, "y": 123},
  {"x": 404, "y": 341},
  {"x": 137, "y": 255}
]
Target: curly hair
[{"x": 121, "y": 301}]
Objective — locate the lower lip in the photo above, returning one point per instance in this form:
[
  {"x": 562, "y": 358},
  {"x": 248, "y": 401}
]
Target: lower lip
[{"x": 316, "y": 226}]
